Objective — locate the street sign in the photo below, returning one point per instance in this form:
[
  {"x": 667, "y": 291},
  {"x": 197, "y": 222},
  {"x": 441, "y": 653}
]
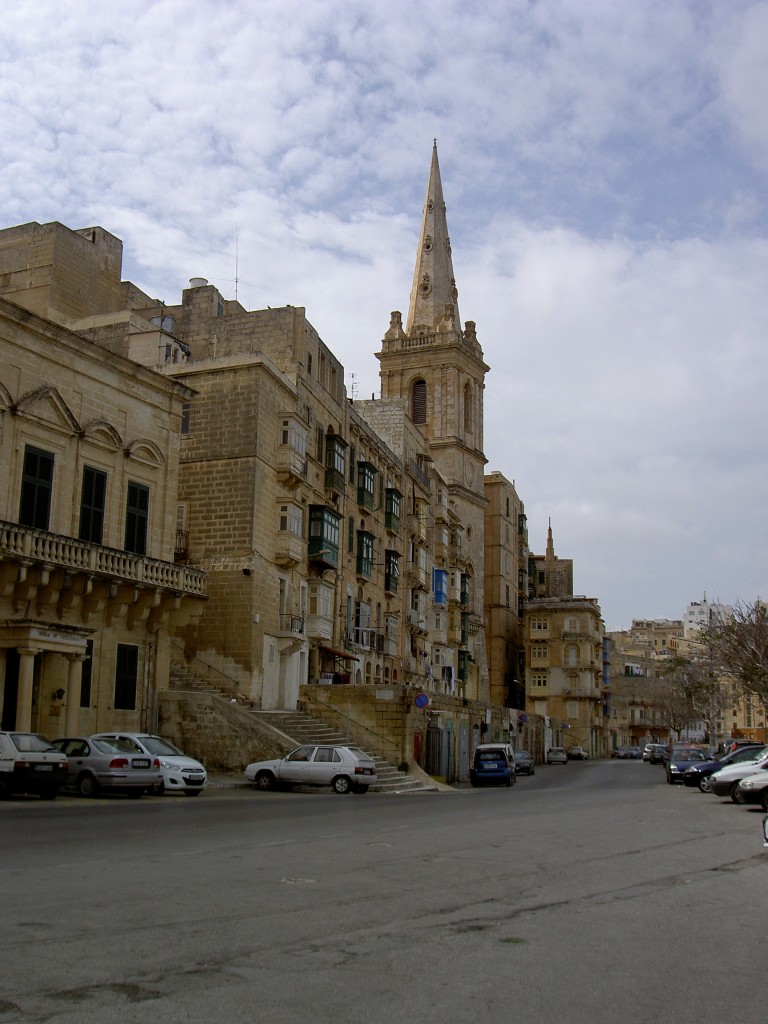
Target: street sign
[{"x": 421, "y": 700}]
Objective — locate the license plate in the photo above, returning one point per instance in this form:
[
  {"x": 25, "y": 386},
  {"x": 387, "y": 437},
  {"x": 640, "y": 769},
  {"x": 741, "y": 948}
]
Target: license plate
[
  {"x": 43, "y": 767},
  {"x": 140, "y": 762}
]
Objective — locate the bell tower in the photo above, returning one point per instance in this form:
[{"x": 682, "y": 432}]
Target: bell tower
[
  {"x": 434, "y": 364},
  {"x": 437, "y": 369}
]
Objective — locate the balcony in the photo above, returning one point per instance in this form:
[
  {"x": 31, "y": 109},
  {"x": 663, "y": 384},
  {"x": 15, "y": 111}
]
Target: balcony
[
  {"x": 291, "y": 467},
  {"x": 290, "y": 550},
  {"x": 52, "y": 574},
  {"x": 290, "y": 625}
]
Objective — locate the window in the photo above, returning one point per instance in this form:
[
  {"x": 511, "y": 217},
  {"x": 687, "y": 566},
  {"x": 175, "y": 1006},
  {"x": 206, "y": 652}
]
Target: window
[
  {"x": 539, "y": 652},
  {"x": 324, "y": 533},
  {"x": 334, "y": 462},
  {"x": 440, "y": 586},
  {"x": 391, "y": 570},
  {"x": 539, "y": 626},
  {"x": 137, "y": 518},
  {"x": 36, "y": 488},
  {"x": 467, "y": 407},
  {"x": 366, "y": 485},
  {"x": 186, "y": 417},
  {"x": 92, "y": 504},
  {"x": 364, "y": 553},
  {"x": 85, "y": 684},
  {"x": 539, "y": 679},
  {"x": 419, "y": 402},
  {"x": 291, "y": 520},
  {"x": 126, "y": 675}
]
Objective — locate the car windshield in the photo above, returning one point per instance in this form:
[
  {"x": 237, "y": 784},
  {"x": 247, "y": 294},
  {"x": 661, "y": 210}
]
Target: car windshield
[
  {"x": 690, "y": 755},
  {"x": 31, "y": 742},
  {"x": 157, "y": 745},
  {"x": 522, "y": 755}
]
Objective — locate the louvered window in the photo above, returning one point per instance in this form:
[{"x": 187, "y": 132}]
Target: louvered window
[{"x": 419, "y": 402}]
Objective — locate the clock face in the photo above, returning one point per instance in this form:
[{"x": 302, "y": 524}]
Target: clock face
[{"x": 469, "y": 472}]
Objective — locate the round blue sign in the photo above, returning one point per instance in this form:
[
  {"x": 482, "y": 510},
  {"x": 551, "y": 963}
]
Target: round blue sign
[{"x": 421, "y": 700}]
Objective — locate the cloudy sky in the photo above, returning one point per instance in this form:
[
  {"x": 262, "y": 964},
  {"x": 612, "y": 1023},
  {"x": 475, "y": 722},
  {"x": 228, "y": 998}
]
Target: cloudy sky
[{"x": 604, "y": 164}]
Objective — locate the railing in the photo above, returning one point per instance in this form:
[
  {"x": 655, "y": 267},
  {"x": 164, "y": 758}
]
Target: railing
[
  {"x": 54, "y": 549},
  {"x": 291, "y": 623}
]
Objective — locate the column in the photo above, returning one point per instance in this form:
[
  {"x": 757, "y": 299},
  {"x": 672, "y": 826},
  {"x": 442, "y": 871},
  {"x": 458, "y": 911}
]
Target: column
[
  {"x": 24, "y": 698},
  {"x": 74, "y": 684}
]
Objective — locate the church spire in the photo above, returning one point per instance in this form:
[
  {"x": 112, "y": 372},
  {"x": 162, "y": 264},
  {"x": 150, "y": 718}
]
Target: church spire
[{"x": 434, "y": 297}]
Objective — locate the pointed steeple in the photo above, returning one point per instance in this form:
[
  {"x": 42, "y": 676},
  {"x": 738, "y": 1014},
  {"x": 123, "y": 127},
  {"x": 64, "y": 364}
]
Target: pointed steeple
[
  {"x": 434, "y": 296},
  {"x": 550, "y": 543}
]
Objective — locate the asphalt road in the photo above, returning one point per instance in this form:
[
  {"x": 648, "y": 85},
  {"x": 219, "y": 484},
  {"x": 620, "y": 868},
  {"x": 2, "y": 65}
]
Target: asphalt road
[{"x": 588, "y": 894}]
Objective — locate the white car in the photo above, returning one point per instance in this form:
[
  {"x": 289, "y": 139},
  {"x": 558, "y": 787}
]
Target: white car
[
  {"x": 754, "y": 789},
  {"x": 29, "y": 763},
  {"x": 181, "y": 774},
  {"x": 556, "y": 755},
  {"x": 725, "y": 782},
  {"x": 344, "y": 769}
]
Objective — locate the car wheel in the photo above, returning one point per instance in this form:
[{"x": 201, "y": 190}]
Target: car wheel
[
  {"x": 341, "y": 784},
  {"x": 357, "y": 788},
  {"x": 158, "y": 789},
  {"x": 704, "y": 784},
  {"x": 265, "y": 780},
  {"x": 733, "y": 792},
  {"x": 87, "y": 785}
]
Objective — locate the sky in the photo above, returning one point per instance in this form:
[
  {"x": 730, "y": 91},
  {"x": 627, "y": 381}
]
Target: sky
[{"x": 604, "y": 166}]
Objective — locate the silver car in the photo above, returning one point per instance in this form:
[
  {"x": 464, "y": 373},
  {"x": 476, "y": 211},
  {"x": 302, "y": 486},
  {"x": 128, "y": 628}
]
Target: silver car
[
  {"x": 96, "y": 764},
  {"x": 556, "y": 755},
  {"x": 344, "y": 769},
  {"x": 179, "y": 773}
]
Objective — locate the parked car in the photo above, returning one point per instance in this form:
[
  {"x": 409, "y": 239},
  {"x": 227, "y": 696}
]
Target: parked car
[
  {"x": 96, "y": 764},
  {"x": 29, "y": 763},
  {"x": 524, "y": 763},
  {"x": 577, "y": 754},
  {"x": 754, "y": 789},
  {"x": 627, "y": 753},
  {"x": 493, "y": 764},
  {"x": 180, "y": 774},
  {"x": 344, "y": 769},
  {"x": 698, "y": 775},
  {"x": 725, "y": 781},
  {"x": 556, "y": 755},
  {"x": 681, "y": 761},
  {"x": 653, "y": 748}
]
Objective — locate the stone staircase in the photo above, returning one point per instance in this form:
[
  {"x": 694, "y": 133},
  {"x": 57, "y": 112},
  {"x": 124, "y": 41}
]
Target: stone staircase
[
  {"x": 300, "y": 727},
  {"x": 304, "y": 728}
]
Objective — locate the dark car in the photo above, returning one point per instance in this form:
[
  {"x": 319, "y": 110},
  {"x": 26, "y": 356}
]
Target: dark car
[
  {"x": 698, "y": 774},
  {"x": 491, "y": 766},
  {"x": 524, "y": 763},
  {"x": 681, "y": 760}
]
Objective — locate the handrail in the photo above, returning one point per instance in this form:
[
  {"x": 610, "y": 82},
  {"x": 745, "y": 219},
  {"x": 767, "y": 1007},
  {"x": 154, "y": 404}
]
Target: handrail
[{"x": 340, "y": 714}]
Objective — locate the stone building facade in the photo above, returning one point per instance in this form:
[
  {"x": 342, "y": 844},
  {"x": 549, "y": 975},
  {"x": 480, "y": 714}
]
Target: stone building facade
[
  {"x": 89, "y": 589},
  {"x": 506, "y": 590}
]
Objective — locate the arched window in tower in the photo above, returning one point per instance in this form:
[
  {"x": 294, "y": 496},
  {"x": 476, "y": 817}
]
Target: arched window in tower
[
  {"x": 419, "y": 401},
  {"x": 467, "y": 406}
]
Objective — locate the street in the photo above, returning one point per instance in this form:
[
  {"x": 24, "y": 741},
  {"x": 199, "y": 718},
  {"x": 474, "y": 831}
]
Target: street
[{"x": 590, "y": 893}]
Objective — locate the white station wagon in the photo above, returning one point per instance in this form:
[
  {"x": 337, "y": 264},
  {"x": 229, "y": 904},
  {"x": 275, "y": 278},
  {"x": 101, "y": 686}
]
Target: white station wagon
[{"x": 345, "y": 769}]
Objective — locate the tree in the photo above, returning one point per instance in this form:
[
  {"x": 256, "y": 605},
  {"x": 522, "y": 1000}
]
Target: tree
[
  {"x": 739, "y": 646},
  {"x": 703, "y": 687}
]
